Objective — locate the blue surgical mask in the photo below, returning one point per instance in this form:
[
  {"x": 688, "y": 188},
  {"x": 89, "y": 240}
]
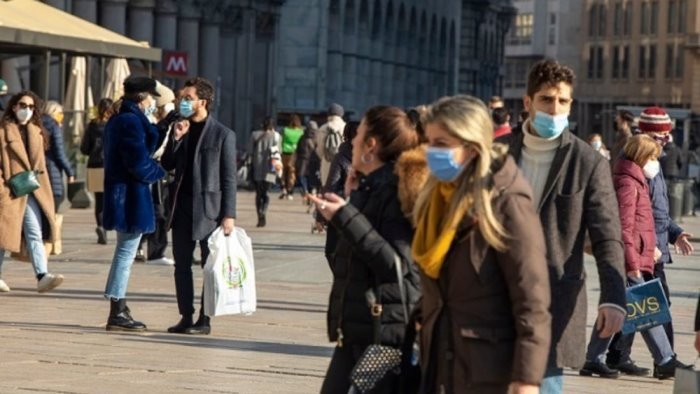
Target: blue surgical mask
[
  {"x": 548, "y": 126},
  {"x": 150, "y": 110},
  {"x": 597, "y": 144},
  {"x": 186, "y": 108},
  {"x": 442, "y": 164}
]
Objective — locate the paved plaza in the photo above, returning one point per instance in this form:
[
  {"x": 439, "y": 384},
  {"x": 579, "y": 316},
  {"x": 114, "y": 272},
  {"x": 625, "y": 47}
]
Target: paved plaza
[{"x": 57, "y": 343}]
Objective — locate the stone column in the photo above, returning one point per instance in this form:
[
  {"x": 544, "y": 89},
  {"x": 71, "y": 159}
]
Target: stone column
[
  {"x": 55, "y": 77},
  {"x": 188, "y": 34},
  {"x": 141, "y": 20},
  {"x": 60, "y": 4},
  {"x": 113, "y": 15},
  {"x": 166, "y": 25},
  {"x": 209, "y": 43},
  {"x": 85, "y": 9},
  {"x": 243, "y": 96}
]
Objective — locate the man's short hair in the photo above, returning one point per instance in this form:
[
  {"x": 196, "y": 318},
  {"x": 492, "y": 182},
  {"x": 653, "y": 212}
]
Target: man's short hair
[
  {"x": 500, "y": 116},
  {"x": 626, "y": 116},
  {"x": 548, "y": 72},
  {"x": 204, "y": 88}
]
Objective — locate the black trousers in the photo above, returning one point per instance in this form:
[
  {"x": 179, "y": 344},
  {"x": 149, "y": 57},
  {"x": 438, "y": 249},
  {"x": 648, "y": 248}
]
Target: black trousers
[
  {"x": 620, "y": 349},
  {"x": 338, "y": 375},
  {"x": 262, "y": 198},
  {"x": 158, "y": 240},
  {"x": 183, "y": 247},
  {"x": 99, "y": 207}
]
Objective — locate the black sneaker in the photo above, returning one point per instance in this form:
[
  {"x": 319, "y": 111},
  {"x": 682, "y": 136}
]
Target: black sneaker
[
  {"x": 630, "y": 368},
  {"x": 201, "y": 327},
  {"x": 668, "y": 370},
  {"x": 591, "y": 368}
]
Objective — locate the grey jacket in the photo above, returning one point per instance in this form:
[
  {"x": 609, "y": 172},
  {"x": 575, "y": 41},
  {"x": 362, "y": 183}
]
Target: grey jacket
[
  {"x": 259, "y": 148},
  {"x": 214, "y": 176},
  {"x": 579, "y": 196}
]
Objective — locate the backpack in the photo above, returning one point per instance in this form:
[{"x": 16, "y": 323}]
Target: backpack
[{"x": 332, "y": 143}]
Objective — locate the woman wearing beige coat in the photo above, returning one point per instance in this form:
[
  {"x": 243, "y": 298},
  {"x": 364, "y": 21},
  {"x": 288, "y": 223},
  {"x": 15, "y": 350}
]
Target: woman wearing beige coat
[{"x": 22, "y": 143}]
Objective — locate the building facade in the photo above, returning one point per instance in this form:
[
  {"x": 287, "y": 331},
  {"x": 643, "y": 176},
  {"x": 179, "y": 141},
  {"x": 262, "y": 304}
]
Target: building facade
[
  {"x": 541, "y": 29},
  {"x": 361, "y": 53},
  {"x": 638, "y": 53},
  {"x": 485, "y": 25}
]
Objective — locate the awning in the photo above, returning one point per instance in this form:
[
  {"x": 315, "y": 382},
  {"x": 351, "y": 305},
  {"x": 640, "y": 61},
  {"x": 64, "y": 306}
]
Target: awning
[{"x": 30, "y": 26}]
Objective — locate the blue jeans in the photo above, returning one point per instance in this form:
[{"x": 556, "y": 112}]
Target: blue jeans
[
  {"x": 553, "y": 381},
  {"x": 31, "y": 229},
  {"x": 656, "y": 340},
  {"x": 124, "y": 253}
]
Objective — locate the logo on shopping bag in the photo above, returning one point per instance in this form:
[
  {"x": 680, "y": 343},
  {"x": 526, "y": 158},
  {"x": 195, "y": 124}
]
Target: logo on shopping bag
[
  {"x": 646, "y": 307},
  {"x": 234, "y": 274}
]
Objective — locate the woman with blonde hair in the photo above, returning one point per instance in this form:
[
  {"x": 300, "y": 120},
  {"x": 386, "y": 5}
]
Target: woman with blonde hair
[
  {"x": 481, "y": 253},
  {"x": 56, "y": 161}
]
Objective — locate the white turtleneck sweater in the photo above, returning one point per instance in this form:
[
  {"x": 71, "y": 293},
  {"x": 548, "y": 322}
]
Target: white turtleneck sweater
[{"x": 536, "y": 160}]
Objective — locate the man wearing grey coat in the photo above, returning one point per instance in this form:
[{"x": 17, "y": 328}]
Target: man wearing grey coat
[
  {"x": 574, "y": 194},
  {"x": 203, "y": 154}
]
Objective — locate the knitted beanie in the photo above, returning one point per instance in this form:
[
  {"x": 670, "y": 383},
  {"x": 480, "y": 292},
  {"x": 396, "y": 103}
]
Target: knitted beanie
[{"x": 654, "y": 120}]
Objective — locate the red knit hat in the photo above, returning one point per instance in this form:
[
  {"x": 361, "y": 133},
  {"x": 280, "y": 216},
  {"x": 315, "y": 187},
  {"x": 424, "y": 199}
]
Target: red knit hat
[{"x": 654, "y": 120}]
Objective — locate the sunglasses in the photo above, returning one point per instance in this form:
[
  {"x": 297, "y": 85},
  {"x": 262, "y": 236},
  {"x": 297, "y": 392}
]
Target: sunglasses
[{"x": 25, "y": 105}]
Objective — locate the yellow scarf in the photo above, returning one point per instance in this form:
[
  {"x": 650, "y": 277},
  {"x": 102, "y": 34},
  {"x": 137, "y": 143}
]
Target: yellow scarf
[{"x": 434, "y": 232}]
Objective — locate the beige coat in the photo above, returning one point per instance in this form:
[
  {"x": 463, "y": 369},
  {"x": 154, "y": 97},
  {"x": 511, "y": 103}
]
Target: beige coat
[{"x": 14, "y": 160}]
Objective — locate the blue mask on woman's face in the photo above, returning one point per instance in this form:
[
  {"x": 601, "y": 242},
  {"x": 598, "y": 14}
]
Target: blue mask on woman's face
[
  {"x": 442, "y": 164},
  {"x": 548, "y": 126},
  {"x": 186, "y": 108}
]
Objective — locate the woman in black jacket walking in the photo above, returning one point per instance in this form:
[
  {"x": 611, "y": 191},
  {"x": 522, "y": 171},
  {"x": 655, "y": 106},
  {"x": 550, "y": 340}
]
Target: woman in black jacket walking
[
  {"x": 373, "y": 235},
  {"x": 91, "y": 146}
]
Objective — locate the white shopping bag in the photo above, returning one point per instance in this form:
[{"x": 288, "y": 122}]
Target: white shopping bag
[{"x": 229, "y": 274}]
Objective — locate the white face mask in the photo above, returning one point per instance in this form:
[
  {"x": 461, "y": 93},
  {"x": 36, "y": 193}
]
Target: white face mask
[
  {"x": 23, "y": 115},
  {"x": 651, "y": 169}
]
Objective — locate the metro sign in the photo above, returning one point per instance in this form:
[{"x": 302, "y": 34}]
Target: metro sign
[{"x": 175, "y": 62}]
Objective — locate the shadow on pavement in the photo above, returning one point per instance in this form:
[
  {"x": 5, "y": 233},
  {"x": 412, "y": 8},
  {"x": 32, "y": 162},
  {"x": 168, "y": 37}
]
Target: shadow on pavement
[{"x": 234, "y": 344}]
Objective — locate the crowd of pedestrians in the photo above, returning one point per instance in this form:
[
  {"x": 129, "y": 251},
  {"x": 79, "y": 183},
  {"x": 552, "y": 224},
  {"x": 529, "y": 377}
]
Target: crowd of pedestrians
[{"x": 450, "y": 234}]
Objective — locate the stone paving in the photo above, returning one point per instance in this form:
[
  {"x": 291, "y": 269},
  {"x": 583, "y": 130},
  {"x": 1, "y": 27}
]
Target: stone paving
[{"x": 56, "y": 342}]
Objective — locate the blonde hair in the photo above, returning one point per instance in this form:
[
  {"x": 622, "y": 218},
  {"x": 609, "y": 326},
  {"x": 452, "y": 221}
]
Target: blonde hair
[
  {"x": 466, "y": 118},
  {"x": 53, "y": 107},
  {"x": 641, "y": 148}
]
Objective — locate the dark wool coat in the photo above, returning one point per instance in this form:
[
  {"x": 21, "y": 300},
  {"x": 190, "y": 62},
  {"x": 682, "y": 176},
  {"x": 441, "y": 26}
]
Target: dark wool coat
[
  {"x": 56, "y": 161},
  {"x": 307, "y": 160},
  {"x": 635, "y": 215},
  {"x": 578, "y": 197},
  {"x": 213, "y": 176},
  {"x": 486, "y": 318},
  {"x": 372, "y": 232},
  {"x": 129, "y": 141}
]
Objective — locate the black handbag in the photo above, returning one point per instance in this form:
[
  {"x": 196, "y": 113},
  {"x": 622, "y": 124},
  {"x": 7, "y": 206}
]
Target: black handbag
[
  {"x": 24, "y": 183},
  {"x": 378, "y": 360}
]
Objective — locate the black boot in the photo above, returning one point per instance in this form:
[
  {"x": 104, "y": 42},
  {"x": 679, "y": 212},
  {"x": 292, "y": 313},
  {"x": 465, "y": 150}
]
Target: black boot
[
  {"x": 120, "y": 318},
  {"x": 261, "y": 219},
  {"x": 591, "y": 368},
  {"x": 201, "y": 327},
  {"x": 181, "y": 326},
  {"x": 101, "y": 236}
]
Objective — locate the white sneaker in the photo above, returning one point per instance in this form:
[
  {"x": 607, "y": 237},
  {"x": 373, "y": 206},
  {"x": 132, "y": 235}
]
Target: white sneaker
[
  {"x": 49, "y": 282},
  {"x": 161, "y": 261},
  {"x": 4, "y": 288}
]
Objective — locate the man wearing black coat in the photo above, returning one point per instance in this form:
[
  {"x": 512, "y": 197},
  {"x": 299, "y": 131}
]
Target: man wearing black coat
[{"x": 203, "y": 154}]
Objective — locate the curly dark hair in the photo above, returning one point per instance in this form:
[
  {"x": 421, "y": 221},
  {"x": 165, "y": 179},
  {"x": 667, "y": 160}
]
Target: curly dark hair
[
  {"x": 205, "y": 89},
  {"x": 548, "y": 72}
]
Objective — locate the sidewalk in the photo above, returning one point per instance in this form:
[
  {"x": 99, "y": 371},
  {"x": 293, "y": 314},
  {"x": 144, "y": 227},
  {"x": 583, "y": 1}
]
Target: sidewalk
[{"x": 56, "y": 342}]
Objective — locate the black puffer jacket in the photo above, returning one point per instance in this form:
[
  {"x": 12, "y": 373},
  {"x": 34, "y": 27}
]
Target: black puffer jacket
[
  {"x": 91, "y": 145},
  {"x": 56, "y": 161},
  {"x": 373, "y": 231}
]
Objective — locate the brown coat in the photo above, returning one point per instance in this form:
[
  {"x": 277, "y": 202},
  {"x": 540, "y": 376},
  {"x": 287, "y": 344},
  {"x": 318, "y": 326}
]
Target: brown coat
[
  {"x": 485, "y": 320},
  {"x": 14, "y": 160}
]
